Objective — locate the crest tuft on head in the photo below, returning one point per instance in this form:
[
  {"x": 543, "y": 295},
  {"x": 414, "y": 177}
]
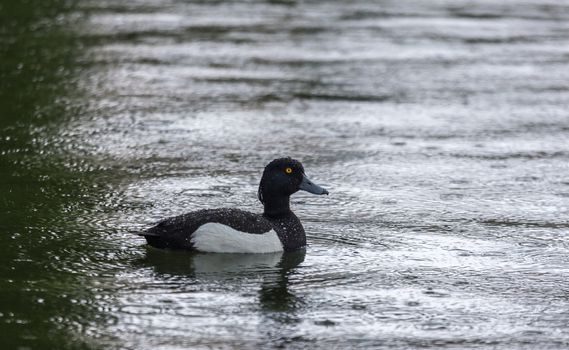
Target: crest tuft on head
[{"x": 285, "y": 162}]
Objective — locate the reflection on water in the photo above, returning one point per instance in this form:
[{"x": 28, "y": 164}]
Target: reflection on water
[
  {"x": 166, "y": 262},
  {"x": 440, "y": 129},
  {"x": 273, "y": 268},
  {"x": 275, "y": 294}
]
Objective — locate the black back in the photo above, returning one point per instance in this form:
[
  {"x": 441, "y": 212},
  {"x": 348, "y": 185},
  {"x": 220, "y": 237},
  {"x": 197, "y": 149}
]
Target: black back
[{"x": 175, "y": 232}]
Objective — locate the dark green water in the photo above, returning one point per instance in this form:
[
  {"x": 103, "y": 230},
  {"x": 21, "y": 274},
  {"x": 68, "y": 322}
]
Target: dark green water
[
  {"x": 440, "y": 128},
  {"x": 43, "y": 294}
]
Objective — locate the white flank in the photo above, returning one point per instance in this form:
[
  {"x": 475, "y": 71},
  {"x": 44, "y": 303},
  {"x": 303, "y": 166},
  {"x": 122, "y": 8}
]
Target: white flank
[{"x": 218, "y": 238}]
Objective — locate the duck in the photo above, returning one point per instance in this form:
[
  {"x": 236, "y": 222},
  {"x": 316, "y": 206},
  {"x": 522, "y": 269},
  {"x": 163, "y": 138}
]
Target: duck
[{"x": 231, "y": 230}]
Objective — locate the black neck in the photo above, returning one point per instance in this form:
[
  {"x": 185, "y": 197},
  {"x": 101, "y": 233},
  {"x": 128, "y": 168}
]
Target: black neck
[{"x": 277, "y": 206}]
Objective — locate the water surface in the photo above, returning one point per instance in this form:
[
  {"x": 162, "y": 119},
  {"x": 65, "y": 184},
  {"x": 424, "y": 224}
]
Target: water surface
[{"x": 440, "y": 129}]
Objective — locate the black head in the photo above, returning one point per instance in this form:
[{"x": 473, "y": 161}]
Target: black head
[{"x": 283, "y": 177}]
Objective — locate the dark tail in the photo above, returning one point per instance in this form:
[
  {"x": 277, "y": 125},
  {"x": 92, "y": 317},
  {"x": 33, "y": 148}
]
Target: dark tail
[
  {"x": 147, "y": 233},
  {"x": 154, "y": 238}
]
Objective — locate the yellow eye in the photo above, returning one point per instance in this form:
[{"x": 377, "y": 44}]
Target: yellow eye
[{"x": 288, "y": 170}]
